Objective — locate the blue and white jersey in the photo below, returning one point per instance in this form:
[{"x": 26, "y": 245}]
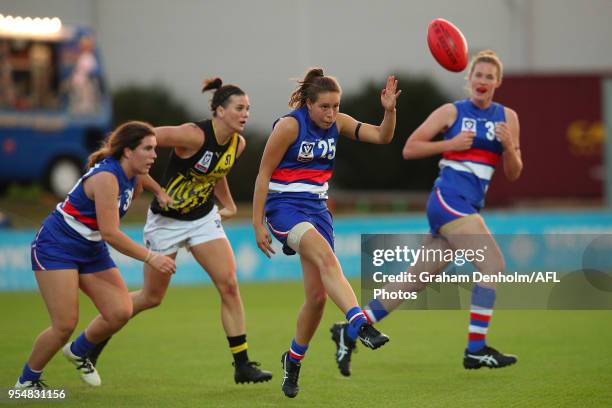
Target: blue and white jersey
[
  {"x": 468, "y": 172},
  {"x": 78, "y": 212},
  {"x": 308, "y": 163}
]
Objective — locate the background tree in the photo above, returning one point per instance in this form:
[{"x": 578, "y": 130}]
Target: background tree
[
  {"x": 153, "y": 104},
  {"x": 361, "y": 166}
]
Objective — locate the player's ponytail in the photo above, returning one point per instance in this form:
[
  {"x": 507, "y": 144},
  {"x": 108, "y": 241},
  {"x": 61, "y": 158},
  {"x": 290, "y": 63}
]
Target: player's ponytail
[
  {"x": 309, "y": 88},
  {"x": 222, "y": 93}
]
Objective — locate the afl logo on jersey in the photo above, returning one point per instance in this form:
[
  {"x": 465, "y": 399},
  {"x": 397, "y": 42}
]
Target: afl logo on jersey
[
  {"x": 468, "y": 125},
  {"x": 204, "y": 162},
  {"x": 306, "y": 152}
]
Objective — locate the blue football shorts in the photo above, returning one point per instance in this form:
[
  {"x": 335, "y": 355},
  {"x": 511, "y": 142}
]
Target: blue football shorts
[
  {"x": 282, "y": 214},
  {"x": 443, "y": 207},
  {"x": 54, "y": 249}
]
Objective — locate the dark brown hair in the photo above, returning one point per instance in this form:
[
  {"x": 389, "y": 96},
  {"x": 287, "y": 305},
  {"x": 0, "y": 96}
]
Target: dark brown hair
[
  {"x": 128, "y": 135},
  {"x": 222, "y": 94},
  {"x": 309, "y": 88}
]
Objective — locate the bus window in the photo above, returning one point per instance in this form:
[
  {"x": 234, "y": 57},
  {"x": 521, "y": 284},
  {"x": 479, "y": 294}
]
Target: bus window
[{"x": 54, "y": 108}]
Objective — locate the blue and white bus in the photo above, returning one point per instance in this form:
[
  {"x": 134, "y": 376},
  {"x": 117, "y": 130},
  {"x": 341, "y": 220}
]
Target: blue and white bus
[{"x": 55, "y": 107}]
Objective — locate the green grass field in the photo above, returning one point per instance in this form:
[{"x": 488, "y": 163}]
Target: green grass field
[{"x": 177, "y": 355}]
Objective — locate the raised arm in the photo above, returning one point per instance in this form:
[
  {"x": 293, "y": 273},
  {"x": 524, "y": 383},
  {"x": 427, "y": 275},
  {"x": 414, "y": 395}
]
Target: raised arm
[
  {"x": 508, "y": 135},
  {"x": 187, "y": 137},
  {"x": 283, "y": 135},
  {"x": 104, "y": 190},
  {"x": 420, "y": 143},
  {"x": 365, "y": 132}
]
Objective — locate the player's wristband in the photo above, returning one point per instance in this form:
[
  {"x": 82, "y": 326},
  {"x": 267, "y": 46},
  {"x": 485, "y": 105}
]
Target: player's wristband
[{"x": 149, "y": 256}]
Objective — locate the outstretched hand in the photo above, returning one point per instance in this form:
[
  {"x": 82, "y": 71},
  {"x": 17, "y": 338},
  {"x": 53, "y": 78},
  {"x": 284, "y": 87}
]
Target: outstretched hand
[{"x": 389, "y": 95}]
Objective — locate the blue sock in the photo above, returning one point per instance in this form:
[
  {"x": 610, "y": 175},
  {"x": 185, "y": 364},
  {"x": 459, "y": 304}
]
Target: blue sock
[
  {"x": 28, "y": 374},
  {"x": 356, "y": 319},
  {"x": 297, "y": 351},
  {"x": 375, "y": 311},
  {"x": 81, "y": 346},
  {"x": 481, "y": 310}
]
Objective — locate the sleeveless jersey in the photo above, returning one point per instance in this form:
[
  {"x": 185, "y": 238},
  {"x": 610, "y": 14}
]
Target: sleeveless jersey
[
  {"x": 308, "y": 163},
  {"x": 191, "y": 181},
  {"x": 468, "y": 173},
  {"x": 77, "y": 213}
]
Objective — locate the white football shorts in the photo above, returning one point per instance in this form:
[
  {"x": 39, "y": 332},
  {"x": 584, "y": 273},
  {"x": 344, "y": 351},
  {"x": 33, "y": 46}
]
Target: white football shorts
[{"x": 166, "y": 235}]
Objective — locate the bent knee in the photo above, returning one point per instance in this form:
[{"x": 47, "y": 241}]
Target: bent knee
[
  {"x": 496, "y": 264},
  {"x": 119, "y": 316},
  {"x": 228, "y": 288},
  {"x": 152, "y": 300},
  {"x": 317, "y": 300},
  {"x": 419, "y": 286},
  {"x": 65, "y": 327}
]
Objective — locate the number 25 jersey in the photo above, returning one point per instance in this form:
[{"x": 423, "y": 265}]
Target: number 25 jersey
[{"x": 308, "y": 163}]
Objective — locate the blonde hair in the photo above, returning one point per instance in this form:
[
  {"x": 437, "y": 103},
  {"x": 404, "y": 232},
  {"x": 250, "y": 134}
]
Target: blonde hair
[{"x": 490, "y": 57}]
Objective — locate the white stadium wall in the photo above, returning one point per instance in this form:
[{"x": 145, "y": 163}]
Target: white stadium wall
[{"x": 261, "y": 44}]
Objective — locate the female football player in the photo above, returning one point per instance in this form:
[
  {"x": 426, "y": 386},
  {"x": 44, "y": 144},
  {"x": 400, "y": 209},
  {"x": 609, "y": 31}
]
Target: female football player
[
  {"x": 290, "y": 197},
  {"x": 477, "y": 132},
  {"x": 70, "y": 252},
  {"x": 203, "y": 154}
]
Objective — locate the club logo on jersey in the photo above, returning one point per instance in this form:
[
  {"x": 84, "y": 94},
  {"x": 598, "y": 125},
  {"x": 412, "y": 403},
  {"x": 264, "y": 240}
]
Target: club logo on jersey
[
  {"x": 204, "y": 162},
  {"x": 468, "y": 125},
  {"x": 306, "y": 152}
]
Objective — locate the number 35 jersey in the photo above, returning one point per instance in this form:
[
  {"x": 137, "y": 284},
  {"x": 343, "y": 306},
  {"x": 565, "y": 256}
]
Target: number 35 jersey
[
  {"x": 308, "y": 163},
  {"x": 467, "y": 173}
]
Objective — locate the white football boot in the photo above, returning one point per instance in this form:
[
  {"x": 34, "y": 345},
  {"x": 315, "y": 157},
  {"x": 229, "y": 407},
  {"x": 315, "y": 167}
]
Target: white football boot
[{"x": 86, "y": 369}]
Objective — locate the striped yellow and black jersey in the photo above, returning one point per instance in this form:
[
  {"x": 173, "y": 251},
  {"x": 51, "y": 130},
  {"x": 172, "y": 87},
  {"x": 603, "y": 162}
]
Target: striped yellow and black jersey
[{"x": 191, "y": 181}]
